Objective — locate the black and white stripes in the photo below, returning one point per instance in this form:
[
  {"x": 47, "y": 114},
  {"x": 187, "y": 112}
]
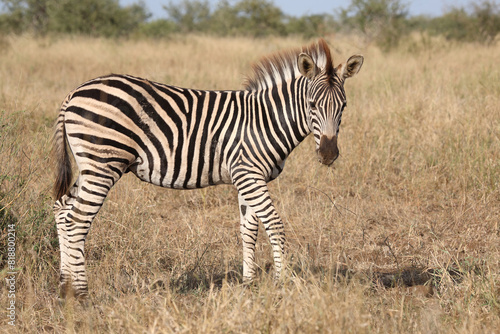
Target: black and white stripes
[{"x": 185, "y": 138}]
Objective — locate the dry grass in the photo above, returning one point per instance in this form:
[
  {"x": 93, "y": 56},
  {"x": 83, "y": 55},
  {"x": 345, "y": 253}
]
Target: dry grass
[{"x": 401, "y": 235}]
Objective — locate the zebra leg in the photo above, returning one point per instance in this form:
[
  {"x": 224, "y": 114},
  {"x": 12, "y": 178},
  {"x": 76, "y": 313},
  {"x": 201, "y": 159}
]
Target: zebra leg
[
  {"x": 74, "y": 214},
  {"x": 253, "y": 190},
  {"x": 249, "y": 227},
  {"x": 61, "y": 209}
]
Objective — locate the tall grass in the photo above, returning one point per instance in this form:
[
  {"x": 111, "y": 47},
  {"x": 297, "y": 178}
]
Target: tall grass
[{"x": 400, "y": 235}]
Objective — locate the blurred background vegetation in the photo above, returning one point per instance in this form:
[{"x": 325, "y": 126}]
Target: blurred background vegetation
[{"x": 383, "y": 22}]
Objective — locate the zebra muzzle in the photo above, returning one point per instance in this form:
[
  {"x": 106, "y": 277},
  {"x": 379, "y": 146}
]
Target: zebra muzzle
[{"x": 328, "y": 150}]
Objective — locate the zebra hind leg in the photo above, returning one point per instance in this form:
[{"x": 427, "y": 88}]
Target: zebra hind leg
[
  {"x": 61, "y": 209},
  {"x": 74, "y": 214}
]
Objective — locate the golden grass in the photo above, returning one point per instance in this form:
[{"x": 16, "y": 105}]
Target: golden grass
[{"x": 414, "y": 199}]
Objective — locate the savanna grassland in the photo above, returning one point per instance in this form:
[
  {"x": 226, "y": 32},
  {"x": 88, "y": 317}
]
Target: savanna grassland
[{"x": 401, "y": 235}]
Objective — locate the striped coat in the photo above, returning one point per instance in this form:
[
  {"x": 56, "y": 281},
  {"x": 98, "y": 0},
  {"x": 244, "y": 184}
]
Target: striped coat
[{"x": 184, "y": 138}]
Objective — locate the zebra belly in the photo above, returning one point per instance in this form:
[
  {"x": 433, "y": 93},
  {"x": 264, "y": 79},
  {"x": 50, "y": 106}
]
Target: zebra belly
[
  {"x": 189, "y": 173},
  {"x": 277, "y": 170}
]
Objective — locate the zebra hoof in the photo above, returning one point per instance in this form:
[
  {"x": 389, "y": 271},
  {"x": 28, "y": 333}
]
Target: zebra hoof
[
  {"x": 63, "y": 302},
  {"x": 248, "y": 280},
  {"x": 68, "y": 292}
]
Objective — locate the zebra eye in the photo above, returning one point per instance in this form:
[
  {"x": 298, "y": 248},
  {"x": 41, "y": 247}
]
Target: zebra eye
[{"x": 312, "y": 104}]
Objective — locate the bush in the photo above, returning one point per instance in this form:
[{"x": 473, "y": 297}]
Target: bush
[
  {"x": 258, "y": 18},
  {"x": 486, "y": 16},
  {"x": 89, "y": 17},
  {"x": 380, "y": 21},
  {"x": 157, "y": 29},
  {"x": 312, "y": 25},
  {"x": 189, "y": 15},
  {"x": 480, "y": 24},
  {"x": 246, "y": 17}
]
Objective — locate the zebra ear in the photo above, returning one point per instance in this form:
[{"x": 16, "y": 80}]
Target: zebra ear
[
  {"x": 351, "y": 67},
  {"x": 307, "y": 67}
]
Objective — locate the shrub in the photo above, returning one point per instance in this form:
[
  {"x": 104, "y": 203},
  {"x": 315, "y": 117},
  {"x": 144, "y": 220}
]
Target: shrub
[
  {"x": 380, "y": 21},
  {"x": 88, "y": 17},
  {"x": 479, "y": 24}
]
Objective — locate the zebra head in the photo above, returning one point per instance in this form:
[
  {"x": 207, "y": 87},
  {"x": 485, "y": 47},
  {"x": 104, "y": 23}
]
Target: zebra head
[{"x": 326, "y": 100}]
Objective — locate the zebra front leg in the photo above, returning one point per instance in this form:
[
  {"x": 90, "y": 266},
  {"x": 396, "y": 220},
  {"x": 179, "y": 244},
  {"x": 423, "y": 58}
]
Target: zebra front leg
[
  {"x": 249, "y": 228},
  {"x": 253, "y": 190}
]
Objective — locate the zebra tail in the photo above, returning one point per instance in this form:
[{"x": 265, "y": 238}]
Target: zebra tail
[{"x": 63, "y": 161}]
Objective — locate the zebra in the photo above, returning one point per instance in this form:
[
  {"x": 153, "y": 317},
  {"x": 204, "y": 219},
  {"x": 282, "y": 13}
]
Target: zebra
[{"x": 186, "y": 138}]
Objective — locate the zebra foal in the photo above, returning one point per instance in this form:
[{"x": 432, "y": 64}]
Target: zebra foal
[{"x": 185, "y": 138}]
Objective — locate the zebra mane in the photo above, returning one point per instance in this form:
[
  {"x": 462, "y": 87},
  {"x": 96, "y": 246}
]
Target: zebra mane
[{"x": 282, "y": 66}]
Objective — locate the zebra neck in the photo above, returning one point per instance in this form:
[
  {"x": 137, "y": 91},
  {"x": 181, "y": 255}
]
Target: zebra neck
[{"x": 282, "y": 111}]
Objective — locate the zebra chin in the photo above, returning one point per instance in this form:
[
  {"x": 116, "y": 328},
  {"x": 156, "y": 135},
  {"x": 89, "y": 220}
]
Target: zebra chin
[{"x": 328, "y": 151}]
